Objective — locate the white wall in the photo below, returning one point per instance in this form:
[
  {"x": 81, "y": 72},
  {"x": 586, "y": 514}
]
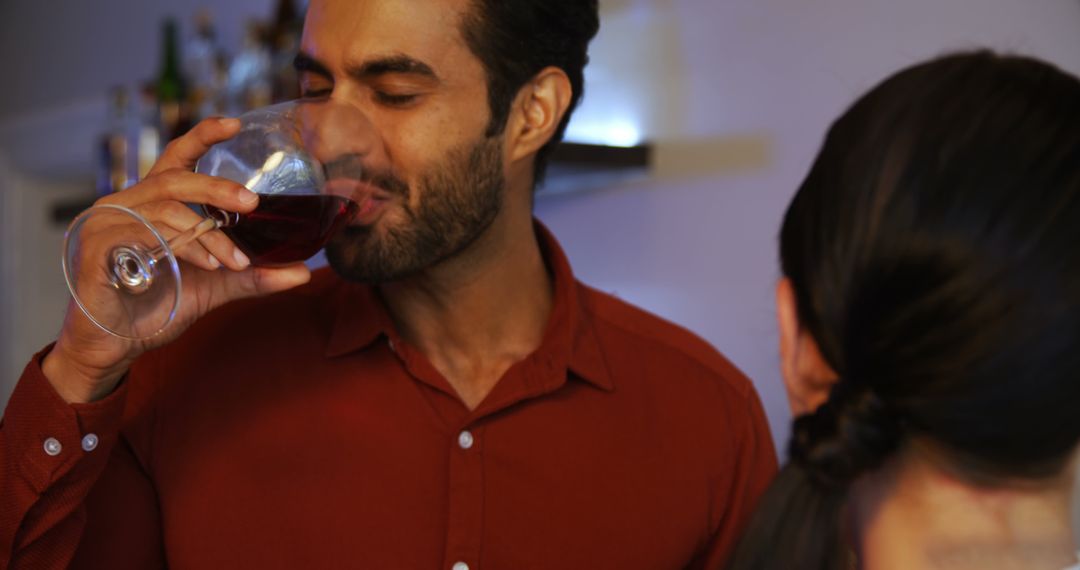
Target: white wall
[{"x": 768, "y": 75}]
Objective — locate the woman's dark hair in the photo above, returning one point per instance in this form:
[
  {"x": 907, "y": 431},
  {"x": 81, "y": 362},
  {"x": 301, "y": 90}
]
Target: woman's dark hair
[
  {"x": 934, "y": 251},
  {"x": 516, "y": 39}
]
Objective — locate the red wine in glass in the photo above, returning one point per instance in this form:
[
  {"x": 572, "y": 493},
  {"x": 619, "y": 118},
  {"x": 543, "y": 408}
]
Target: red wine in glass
[{"x": 287, "y": 228}]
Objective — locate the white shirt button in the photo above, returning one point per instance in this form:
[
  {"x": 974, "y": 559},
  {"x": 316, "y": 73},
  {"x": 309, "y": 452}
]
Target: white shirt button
[
  {"x": 465, "y": 440},
  {"x": 89, "y": 442},
  {"x": 53, "y": 447},
  {"x": 461, "y": 566}
]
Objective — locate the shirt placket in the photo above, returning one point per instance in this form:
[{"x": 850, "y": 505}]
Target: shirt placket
[
  {"x": 465, "y": 468},
  {"x": 466, "y": 500}
]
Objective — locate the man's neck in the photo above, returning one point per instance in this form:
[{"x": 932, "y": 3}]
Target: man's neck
[
  {"x": 913, "y": 514},
  {"x": 477, "y": 314}
]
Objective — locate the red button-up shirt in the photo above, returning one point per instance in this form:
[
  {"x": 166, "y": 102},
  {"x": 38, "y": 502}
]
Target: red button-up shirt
[{"x": 300, "y": 431}]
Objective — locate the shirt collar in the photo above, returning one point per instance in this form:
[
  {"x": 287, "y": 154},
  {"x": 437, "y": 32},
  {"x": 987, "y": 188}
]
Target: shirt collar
[
  {"x": 359, "y": 318},
  {"x": 570, "y": 340},
  {"x": 570, "y": 333}
]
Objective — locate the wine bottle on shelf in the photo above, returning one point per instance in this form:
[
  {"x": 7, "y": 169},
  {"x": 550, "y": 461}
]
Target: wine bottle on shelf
[
  {"x": 148, "y": 137},
  {"x": 116, "y": 158},
  {"x": 284, "y": 41},
  {"x": 171, "y": 89},
  {"x": 249, "y": 74},
  {"x": 202, "y": 57}
]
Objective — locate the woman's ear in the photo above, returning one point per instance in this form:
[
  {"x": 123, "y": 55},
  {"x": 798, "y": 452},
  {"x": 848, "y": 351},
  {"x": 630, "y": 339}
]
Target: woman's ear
[
  {"x": 807, "y": 376},
  {"x": 538, "y": 110}
]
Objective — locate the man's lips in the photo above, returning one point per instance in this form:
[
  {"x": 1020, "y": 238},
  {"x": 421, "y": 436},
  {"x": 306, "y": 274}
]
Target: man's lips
[
  {"x": 370, "y": 200},
  {"x": 368, "y": 212}
]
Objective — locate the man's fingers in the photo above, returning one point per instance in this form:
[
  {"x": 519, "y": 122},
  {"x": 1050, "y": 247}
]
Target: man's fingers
[
  {"x": 194, "y": 253},
  {"x": 185, "y": 151},
  {"x": 257, "y": 281},
  {"x": 179, "y": 219},
  {"x": 227, "y": 286},
  {"x": 187, "y": 187}
]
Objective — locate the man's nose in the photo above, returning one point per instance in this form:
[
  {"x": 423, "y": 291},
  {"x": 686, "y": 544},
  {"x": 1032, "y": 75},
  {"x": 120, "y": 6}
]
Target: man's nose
[{"x": 333, "y": 129}]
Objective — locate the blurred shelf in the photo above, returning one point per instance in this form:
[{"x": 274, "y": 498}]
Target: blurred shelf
[
  {"x": 574, "y": 167},
  {"x": 595, "y": 156},
  {"x": 62, "y": 212},
  {"x": 579, "y": 167}
]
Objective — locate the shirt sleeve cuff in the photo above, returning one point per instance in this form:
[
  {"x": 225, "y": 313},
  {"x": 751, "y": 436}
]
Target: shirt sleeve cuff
[{"x": 48, "y": 437}]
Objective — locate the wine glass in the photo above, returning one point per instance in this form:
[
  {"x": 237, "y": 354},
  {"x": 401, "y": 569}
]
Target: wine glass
[{"x": 124, "y": 273}]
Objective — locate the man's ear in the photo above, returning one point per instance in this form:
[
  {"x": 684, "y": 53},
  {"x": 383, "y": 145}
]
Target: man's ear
[
  {"x": 807, "y": 376},
  {"x": 538, "y": 109}
]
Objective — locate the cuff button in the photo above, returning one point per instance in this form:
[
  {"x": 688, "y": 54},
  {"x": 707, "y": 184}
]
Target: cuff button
[{"x": 53, "y": 447}]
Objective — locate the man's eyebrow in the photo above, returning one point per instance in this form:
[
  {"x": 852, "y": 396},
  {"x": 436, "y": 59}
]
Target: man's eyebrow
[
  {"x": 391, "y": 64},
  {"x": 305, "y": 63}
]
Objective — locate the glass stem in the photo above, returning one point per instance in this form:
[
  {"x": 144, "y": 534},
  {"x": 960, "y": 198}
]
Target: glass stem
[{"x": 206, "y": 225}]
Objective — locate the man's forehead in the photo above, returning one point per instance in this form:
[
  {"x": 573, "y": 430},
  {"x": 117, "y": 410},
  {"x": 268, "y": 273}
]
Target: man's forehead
[{"x": 351, "y": 31}]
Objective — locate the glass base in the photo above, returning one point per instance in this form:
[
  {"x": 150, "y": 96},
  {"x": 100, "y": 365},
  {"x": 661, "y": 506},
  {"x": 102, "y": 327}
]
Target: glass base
[{"x": 121, "y": 272}]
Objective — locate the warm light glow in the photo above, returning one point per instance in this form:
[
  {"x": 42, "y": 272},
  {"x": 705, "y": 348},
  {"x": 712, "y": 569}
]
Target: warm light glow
[{"x": 622, "y": 133}]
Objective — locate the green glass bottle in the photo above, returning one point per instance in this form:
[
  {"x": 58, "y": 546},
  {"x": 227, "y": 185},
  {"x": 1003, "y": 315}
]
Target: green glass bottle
[{"x": 173, "y": 116}]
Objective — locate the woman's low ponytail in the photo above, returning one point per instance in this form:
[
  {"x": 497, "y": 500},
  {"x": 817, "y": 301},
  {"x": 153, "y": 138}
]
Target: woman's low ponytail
[{"x": 799, "y": 523}]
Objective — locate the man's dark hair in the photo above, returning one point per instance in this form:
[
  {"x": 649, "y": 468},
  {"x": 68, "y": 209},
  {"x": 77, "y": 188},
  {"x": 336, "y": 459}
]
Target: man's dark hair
[{"x": 515, "y": 39}]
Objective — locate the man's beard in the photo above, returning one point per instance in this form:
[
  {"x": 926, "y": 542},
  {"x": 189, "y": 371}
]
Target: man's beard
[{"x": 459, "y": 199}]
